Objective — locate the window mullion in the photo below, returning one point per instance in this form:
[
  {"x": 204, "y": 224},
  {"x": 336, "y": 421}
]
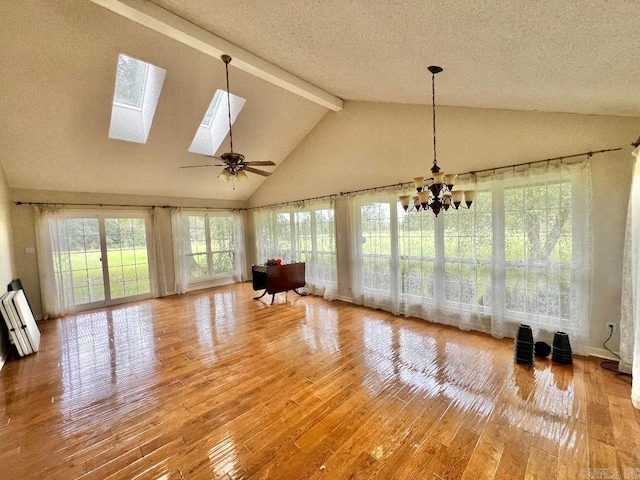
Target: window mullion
[
  {"x": 498, "y": 259},
  {"x": 395, "y": 260},
  {"x": 104, "y": 257},
  {"x": 292, "y": 228},
  {"x": 314, "y": 244},
  {"x": 438, "y": 263},
  {"x": 207, "y": 234},
  {"x": 579, "y": 311}
]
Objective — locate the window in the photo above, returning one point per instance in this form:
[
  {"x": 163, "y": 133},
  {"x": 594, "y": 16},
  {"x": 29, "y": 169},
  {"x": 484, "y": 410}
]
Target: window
[
  {"x": 306, "y": 235},
  {"x": 211, "y": 249},
  {"x": 468, "y": 253},
  {"x": 215, "y": 124},
  {"x": 324, "y": 249},
  {"x": 417, "y": 254},
  {"x": 283, "y": 235},
  {"x": 538, "y": 250},
  {"x": 520, "y": 254},
  {"x": 127, "y": 252},
  {"x": 376, "y": 247},
  {"x": 137, "y": 90},
  {"x": 93, "y": 259}
]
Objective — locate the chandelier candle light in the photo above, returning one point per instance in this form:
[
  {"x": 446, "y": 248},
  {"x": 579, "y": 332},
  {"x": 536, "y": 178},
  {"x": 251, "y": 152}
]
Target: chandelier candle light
[{"x": 436, "y": 192}]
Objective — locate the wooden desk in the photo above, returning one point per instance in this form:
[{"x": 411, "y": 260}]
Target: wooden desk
[{"x": 278, "y": 278}]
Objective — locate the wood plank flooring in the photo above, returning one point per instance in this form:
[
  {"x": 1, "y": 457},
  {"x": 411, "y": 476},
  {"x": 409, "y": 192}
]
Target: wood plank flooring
[{"x": 215, "y": 385}]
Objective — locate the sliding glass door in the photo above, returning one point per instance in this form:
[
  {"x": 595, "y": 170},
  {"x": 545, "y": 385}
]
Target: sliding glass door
[
  {"x": 127, "y": 257},
  {"x": 101, "y": 259},
  {"x": 77, "y": 261}
]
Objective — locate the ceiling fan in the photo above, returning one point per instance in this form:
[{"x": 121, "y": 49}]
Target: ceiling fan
[{"x": 233, "y": 163}]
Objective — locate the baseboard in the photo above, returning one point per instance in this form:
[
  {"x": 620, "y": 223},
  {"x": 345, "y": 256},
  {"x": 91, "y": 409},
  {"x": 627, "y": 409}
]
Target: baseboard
[
  {"x": 587, "y": 351},
  {"x": 343, "y": 298},
  {"x": 600, "y": 353}
]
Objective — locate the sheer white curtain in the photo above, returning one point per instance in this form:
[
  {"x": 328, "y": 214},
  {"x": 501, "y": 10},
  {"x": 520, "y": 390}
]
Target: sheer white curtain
[
  {"x": 520, "y": 254},
  {"x": 547, "y": 247},
  {"x": 416, "y": 264},
  {"x": 183, "y": 236},
  {"x": 54, "y": 270},
  {"x": 273, "y": 235},
  {"x": 302, "y": 233},
  {"x": 240, "y": 250},
  {"x": 180, "y": 238},
  {"x": 159, "y": 286},
  {"x": 630, "y": 320}
]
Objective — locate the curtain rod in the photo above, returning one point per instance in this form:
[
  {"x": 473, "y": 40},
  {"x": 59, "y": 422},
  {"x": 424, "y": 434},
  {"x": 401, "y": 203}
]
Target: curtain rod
[
  {"x": 474, "y": 172},
  {"x": 564, "y": 157},
  {"x": 333, "y": 195},
  {"x": 408, "y": 184},
  {"x": 293, "y": 202},
  {"x": 66, "y": 204}
]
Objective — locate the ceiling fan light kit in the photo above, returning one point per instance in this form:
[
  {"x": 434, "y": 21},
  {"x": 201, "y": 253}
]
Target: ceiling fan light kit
[
  {"x": 436, "y": 192},
  {"x": 235, "y": 168}
]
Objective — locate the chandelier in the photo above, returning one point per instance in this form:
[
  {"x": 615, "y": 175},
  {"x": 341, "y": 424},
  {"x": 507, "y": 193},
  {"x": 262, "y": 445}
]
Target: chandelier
[{"x": 436, "y": 192}]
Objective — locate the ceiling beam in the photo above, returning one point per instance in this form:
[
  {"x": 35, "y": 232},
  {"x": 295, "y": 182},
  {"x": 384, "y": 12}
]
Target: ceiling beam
[{"x": 162, "y": 21}]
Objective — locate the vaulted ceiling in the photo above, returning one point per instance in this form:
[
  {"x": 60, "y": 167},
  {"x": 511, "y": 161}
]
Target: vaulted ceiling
[
  {"x": 293, "y": 62},
  {"x": 555, "y": 55}
]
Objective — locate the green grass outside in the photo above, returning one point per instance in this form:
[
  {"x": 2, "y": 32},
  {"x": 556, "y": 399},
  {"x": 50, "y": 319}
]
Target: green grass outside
[{"x": 128, "y": 274}]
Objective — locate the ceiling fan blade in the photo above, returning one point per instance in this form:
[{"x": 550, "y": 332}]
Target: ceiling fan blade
[
  {"x": 198, "y": 166},
  {"x": 263, "y": 163},
  {"x": 259, "y": 172}
]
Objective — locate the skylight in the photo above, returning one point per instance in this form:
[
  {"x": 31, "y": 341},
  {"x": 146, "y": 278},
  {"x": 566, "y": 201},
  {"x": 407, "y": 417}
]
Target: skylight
[
  {"x": 138, "y": 87},
  {"x": 215, "y": 124}
]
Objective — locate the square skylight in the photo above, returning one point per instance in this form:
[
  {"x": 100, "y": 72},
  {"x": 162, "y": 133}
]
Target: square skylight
[
  {"x": 137, "y": 90},
  {"x": 215, "y": 124}
]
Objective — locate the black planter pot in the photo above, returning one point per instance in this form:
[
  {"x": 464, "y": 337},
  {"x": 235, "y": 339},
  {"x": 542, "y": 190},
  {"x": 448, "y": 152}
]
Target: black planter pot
[
  {"x": 523, "y": 347},
  {"x": 561, "y": 351},
  {"x": 525, "y": 334}
]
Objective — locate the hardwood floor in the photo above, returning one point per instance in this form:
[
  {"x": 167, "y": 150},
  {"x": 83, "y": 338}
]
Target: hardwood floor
[{"x": 214, "y": 385}]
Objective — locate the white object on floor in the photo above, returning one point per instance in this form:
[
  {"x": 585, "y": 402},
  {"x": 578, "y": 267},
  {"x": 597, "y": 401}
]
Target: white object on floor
[
  {"x": 29, "y": 327},
  {"x": 15, "y": 330},
  {"x": 23, "y": 330}
]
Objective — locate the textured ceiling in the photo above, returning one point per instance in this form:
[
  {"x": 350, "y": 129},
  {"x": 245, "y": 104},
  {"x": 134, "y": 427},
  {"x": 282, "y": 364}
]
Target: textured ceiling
[
  {"x": 553, "y": 55},
  {"x": 57, "y": 76},
  {"x": 58, "y": 58}
]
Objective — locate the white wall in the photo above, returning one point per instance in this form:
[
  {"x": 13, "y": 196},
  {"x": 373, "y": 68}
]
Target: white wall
[
  {"x": 26, "y": 264},
  {"x": 6, "y": 258},
  {"x": 371, "y": 144},
  {"x": 368, "y": 145}
]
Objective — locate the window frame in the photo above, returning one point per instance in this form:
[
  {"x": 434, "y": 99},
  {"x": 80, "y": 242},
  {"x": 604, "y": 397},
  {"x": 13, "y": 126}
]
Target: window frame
[
  {"x": 102, "y": 217},
  {"x": 569, "y": 266},
  {"x": 270, "y": 241},
  {"x": 132, "y": 123},
  {"x": 211, "y": 276},
  {"x": 486, "y": 302}
]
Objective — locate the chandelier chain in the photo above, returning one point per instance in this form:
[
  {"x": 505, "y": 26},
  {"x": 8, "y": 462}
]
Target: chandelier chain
[{"x": 433, "y": 108}]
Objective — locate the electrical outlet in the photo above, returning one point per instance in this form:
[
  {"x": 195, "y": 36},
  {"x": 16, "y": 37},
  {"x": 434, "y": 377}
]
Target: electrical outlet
[{"x": 611, "y": 327}]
